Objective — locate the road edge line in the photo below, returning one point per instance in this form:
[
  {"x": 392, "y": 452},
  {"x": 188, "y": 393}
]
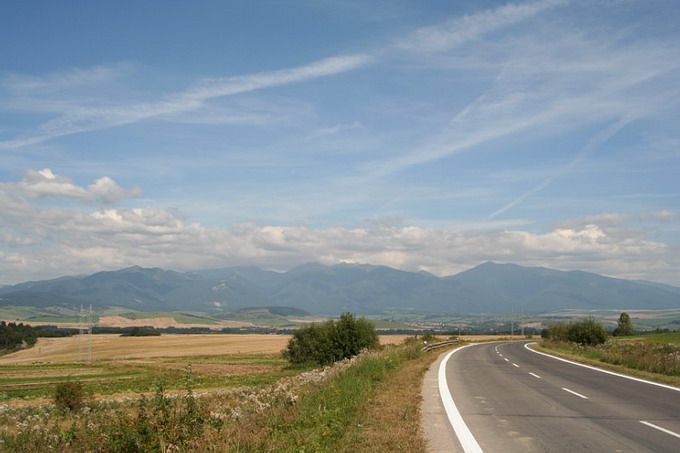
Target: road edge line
[
  {"x": 465, "y": 437},
  {"x": 666, "y": 386}
]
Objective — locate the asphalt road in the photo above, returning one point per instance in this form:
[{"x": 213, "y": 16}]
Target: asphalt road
[{"x": 515, "y": 400}]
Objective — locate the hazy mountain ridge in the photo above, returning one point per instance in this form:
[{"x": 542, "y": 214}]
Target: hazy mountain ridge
[{"x": 489, "y": 287}]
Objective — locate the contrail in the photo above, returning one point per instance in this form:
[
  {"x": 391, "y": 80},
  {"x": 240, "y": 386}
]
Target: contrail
[{"x": 592, "y": 144}]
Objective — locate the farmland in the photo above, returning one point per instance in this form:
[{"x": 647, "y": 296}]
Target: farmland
[{"x": 129, "y": 365}]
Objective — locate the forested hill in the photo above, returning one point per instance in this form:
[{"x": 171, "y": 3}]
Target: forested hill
[{"x": 363, "y": 289}]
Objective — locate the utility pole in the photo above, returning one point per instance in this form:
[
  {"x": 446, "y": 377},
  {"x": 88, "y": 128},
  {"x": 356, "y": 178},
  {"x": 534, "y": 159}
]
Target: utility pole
[
  {"x": 512, "y": 323},
  {"x": 81, "y": 326}
]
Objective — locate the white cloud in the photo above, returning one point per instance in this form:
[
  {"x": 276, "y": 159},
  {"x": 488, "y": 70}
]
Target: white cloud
[
  {"x": 551, "y": 82},
  {"x": 458, "y": 31},
  {"x": 106, "y": 114},
  {"x": 40, "y": 243},
  {"x": 44, "y": 183},
  {"x": 327, "y": 131}
]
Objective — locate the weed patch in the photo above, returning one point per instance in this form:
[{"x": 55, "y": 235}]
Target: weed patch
[{"x": 657, "y": 361}]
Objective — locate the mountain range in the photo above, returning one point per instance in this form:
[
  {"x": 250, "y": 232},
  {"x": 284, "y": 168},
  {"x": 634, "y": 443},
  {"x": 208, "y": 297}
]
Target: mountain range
[{"x": 357, "y": 288}]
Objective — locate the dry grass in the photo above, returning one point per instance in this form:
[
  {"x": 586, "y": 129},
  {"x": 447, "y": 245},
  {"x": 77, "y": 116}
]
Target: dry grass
[
  {"x": 392, "y": 418},
  {"x": 112, "y": 347},
  {"x": 108, "y": 347}
]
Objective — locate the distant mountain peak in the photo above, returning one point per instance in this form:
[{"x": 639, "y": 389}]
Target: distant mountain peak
[{"x": 355, "y": 287}]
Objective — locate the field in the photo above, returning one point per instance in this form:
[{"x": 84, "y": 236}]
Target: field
[
  {"x": 642, "y": 319},
  {"x": 126, "y": 365}
]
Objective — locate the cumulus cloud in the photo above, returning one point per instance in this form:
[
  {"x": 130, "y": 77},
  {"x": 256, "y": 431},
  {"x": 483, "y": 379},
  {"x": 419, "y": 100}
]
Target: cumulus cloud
[
  {"x": 44, "y": 183},
  {"x": 40, "y": 243}
]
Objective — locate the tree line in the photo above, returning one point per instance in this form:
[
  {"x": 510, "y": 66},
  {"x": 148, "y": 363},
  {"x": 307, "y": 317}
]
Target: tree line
[{"x": 15, "y": 336}]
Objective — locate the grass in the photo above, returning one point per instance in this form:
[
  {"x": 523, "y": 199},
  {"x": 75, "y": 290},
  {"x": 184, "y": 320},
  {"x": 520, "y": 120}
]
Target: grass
[
  {"x": 667, "y": 338},
  {"x": 651, "y": 360},
  {"x": 115, "y": 377},
  {"x": 368, "y": 403},
  {"x": 391, "y": 420},
  {"x": 182, "y": 318},
  {"x": 357, "y": 410}
]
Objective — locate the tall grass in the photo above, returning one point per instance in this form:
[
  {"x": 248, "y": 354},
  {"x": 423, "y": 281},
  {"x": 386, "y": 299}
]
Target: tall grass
[
  {"x": 311, "y": 411},
  {"x": 660, "y": 358}
]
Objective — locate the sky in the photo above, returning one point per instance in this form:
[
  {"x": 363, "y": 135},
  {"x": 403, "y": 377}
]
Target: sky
[{"x": 422, "y": 135}]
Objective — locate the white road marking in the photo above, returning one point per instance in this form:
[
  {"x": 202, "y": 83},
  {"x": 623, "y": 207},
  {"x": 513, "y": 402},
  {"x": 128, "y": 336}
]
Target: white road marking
[
  {"x": 574, "y": 393},
  {"x": 535, "y": 375},
  {"x": 515, "y": 365},
  {"x": 506, "y": 360},
  {"x": 667, "y": 431},
  {"x": 465, "y": 437},
  {"x": 670, "y": 387}
]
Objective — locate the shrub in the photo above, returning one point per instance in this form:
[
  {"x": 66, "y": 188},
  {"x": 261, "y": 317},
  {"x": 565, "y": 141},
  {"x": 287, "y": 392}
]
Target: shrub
[
  {"x": 70, "y": 396},
  {"x": 556, "y": 332},
  {"x": 587, "y": 332},
  {"x": 331, "y": 341}
]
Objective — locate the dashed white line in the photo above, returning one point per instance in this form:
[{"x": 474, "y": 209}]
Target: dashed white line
[
  {"x": 575, "y": 393},
  {"x": 506, "y": 360},
  {"x": 515, "y": 365},
  {"x": 535, "y": 375},
  {"x": 667, "y": 431}
]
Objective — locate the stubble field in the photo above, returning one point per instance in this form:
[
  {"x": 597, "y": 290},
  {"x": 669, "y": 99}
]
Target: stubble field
[
  {"x": 115, "y": 347},
  {"x": 128, "y": 366}
]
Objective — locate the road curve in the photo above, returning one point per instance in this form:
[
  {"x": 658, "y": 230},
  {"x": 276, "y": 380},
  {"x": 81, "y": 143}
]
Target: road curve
[{"x": 514, "y": 400}]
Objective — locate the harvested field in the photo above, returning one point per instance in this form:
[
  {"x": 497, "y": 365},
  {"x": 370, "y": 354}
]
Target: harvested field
[
  {"x": 162, "y": 322},
  {"x": 112, "y": 347}
]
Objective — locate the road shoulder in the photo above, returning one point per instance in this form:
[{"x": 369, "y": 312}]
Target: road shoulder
[{"x": 435, "y": 423}]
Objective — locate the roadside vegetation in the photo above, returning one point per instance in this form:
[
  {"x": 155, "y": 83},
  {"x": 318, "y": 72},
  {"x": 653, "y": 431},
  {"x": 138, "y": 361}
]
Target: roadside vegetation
[
  {"x": 655, "y": 356},
  {"x": 365, "y": 402},
  {"x": 351, "y": 405},
  {"x": 331, "y": 341}
]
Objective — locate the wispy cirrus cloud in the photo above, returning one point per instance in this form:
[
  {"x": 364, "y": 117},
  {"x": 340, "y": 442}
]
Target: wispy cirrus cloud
[
  {"x": 91, "y": 115},
  {"x": 461, "y": 30},
  {"x": 538, "y": 92},
  {"x": 77, "y": 119}
]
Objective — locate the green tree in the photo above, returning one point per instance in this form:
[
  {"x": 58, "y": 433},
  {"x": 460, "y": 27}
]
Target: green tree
[
  {"x": 624, "y": 326},
  {"x": 331, "y": 341}
]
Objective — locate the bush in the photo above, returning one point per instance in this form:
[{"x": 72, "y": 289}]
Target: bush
[
  {"x": 586, "y": 332},
  {"x": 556, "y": 332},
  {"x": 70, "y": 396},
  {"x": 331, "y": 341}
]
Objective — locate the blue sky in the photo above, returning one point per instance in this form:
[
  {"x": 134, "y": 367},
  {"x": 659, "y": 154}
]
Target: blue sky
[{"x": 420, "y": 135}]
